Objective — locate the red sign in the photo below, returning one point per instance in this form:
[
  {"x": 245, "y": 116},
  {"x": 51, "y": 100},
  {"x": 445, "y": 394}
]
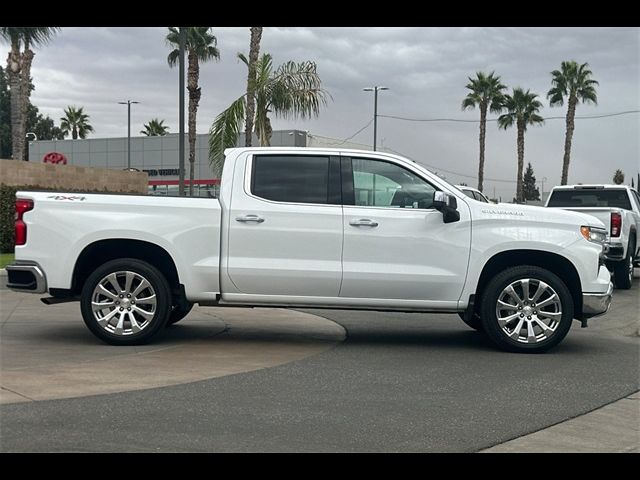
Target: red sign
[{"x": 55, "y": 158}]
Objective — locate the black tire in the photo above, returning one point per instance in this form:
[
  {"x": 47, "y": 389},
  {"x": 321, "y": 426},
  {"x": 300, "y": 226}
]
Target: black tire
[
  {"x": 492, "y": 293},
  {"x": 179, "y": 312},
  {"x": 623, "y": 270},
  {"x": 474, "y": 322},
  {"x": 152, "y": 326}
]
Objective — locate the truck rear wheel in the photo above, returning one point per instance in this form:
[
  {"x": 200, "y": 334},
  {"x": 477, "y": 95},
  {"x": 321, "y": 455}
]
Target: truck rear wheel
[
  {"x": 125, "y": 302},
  {"x": 526, "y": 309},
  {"x": 623, "y": 271}
]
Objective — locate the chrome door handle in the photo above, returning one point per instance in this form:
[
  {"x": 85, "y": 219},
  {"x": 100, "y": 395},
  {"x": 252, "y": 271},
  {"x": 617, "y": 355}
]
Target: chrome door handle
[
  {"x": 363, "y": 222},
  {"x": 250, "y": 218}
]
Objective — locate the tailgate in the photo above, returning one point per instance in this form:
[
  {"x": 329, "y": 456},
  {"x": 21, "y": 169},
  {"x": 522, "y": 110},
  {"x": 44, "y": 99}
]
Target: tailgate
[{"x": 601, "y": 213}]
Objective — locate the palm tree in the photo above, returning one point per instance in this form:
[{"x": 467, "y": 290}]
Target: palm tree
[
  {"x": 76, "y": 122},
  {"x": 486, "y": 93},
  {"x": 292, "y": 90},
  {"x": 254, "y": 51},
  {"x": 574, "y": 82},
  {"x": 201, "y": 46},
  {"x": 522, "y": 110},
  {"x": 155, "y": 128},
  {"x": 19, "y": 63}
]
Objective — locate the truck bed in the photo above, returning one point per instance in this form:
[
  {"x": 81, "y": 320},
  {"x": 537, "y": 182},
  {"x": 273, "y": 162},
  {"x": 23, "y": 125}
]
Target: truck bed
[{"x": 187, "y": 228}]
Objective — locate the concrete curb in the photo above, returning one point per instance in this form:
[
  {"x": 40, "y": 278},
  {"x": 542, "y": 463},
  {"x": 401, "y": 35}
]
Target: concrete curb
[{"x": 612, "y": 428}]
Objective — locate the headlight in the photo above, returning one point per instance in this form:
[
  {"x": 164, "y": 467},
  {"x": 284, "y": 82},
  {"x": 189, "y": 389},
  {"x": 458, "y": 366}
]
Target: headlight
[{"x": 594, "y": 234}]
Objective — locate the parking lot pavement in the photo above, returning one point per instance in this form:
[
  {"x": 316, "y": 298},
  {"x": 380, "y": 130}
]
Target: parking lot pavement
[
  {"x": 399, "y": 382},
  {"x": 47, "y": 352}
]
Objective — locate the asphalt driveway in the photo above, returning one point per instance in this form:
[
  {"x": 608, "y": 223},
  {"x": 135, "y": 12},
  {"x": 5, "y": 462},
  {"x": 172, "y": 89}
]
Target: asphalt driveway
[{"x": 399, "y": 382}]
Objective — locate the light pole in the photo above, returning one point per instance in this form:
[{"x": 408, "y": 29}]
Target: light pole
[
  {"x": 375, "y": 89},
  {"x": 544, "y": 179},
  {"x": 35, "y": 139},
  {"x": 128, "y": 104}
]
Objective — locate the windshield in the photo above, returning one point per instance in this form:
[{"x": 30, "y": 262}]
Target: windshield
[{"x": 617, "y": 198}]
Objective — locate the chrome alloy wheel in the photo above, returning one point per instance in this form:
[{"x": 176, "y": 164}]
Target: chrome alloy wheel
[
  {"x": 630, "y": 268},
  {"x": 123, "y": 303},
  {"x": 529, "y": 310}
]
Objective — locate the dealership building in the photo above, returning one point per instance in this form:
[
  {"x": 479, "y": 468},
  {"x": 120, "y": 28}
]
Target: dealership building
[{"x": 158, "y": 156}]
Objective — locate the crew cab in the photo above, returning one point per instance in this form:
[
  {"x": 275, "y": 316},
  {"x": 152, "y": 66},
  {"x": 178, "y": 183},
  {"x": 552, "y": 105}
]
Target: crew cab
[
  {"x": 309, "y": 227},
  {"x": 618, "y": 207}
]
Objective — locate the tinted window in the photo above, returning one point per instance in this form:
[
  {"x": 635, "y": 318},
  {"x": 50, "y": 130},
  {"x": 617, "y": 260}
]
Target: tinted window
[
  {"x": 291, "y": 178},
  {"x": 479, "y": 197},
  {"x": 636, "y": 196},
  {"x": 590, "y": 198},
  {"x": 468, "y": 193},
  {"x": 383, "y": 184}
]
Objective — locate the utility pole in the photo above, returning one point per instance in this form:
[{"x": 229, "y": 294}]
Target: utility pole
[{"x": 375, "y": 90}]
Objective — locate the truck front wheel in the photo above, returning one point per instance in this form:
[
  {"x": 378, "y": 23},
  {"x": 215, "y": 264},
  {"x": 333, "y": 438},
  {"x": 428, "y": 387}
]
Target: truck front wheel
[
  {"x": 623, "y": 270},
  {"x": 125, "y": 302},
  {"x": 526, "y": 309}
]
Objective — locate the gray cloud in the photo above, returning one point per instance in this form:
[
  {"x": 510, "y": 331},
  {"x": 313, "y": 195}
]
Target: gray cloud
[{"x": 425, "y": 68}]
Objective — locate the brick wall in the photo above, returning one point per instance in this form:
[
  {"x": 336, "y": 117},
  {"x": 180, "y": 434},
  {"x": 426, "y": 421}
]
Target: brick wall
[{"x": 70, "y": 178}]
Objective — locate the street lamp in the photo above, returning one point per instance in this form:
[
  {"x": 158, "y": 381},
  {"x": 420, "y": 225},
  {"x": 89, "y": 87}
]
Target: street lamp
[
  {"x": 375, "y": 89},
  {"x": 128, "y": 104}
]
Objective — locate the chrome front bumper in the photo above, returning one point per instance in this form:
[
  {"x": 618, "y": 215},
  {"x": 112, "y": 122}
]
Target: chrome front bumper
[
  {"x": 595, "y": 304},
  {"x": 26, "y": 277}
]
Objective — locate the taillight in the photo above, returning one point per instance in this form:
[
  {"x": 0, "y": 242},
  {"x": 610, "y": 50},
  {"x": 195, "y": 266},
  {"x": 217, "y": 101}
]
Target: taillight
[
  {"x": 616, "y": 224},
  {"x": 22, "y": 205}
]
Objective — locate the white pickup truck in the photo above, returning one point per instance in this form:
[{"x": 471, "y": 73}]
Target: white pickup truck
[
  {"x": 618, "y": 208},
  {"x": 312, "y": 227}
]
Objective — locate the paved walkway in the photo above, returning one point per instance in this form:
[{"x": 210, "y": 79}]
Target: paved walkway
[{"x": 48, "y": 353}]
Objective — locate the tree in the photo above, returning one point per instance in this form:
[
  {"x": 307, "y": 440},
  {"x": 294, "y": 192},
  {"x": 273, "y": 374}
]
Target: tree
[
  {"x": 618, "y": 177},
  {"x": 5, "y": 117},
  {"x": 42, "y": 125},
  {"x": 19, "y": 62},
  {"x": 574, "y": 82},
  {"x": 486, "y": 93},
  {"x": 529, "y": 189},
  {"x": 254, "y": 51},
  {"x": 155, "y": 128},
  {"x": 201, "y": 46},
  {"x": 293, "y": 90},
  {"x": 522, "y": 110},
  {"x": 76, "y": 122}
]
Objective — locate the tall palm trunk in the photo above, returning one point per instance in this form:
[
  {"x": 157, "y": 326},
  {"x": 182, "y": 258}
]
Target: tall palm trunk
[
  {"x": 571, "y": 114},
  {"x": 193, "y": 75},
  {"x": 483, "y": 132},
  {"x": 14, "y": 69},
  {"x": 519, "y": 192},
  {"x": 25, "y": 93},
  {"x": 74, "y": 133},
  {"x": 265, "y": 138},
  {"x": 254, "y": 50}
]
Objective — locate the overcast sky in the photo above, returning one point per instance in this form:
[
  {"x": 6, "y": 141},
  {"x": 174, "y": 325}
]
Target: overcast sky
[{"x": 426, "y": 70}]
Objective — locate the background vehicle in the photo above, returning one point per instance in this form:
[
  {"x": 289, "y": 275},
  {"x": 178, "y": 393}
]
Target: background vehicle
[
  {"x": 618, "y": 207},
  {"x": 474, "y": 193},
  {"x": 317, "y": 228}
]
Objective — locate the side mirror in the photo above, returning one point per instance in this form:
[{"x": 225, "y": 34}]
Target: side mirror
[{"x": 448, "y": 205}]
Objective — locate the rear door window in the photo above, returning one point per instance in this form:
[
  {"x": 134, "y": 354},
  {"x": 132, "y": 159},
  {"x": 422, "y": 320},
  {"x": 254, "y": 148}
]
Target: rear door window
[{"x": 291, "y": 178}]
